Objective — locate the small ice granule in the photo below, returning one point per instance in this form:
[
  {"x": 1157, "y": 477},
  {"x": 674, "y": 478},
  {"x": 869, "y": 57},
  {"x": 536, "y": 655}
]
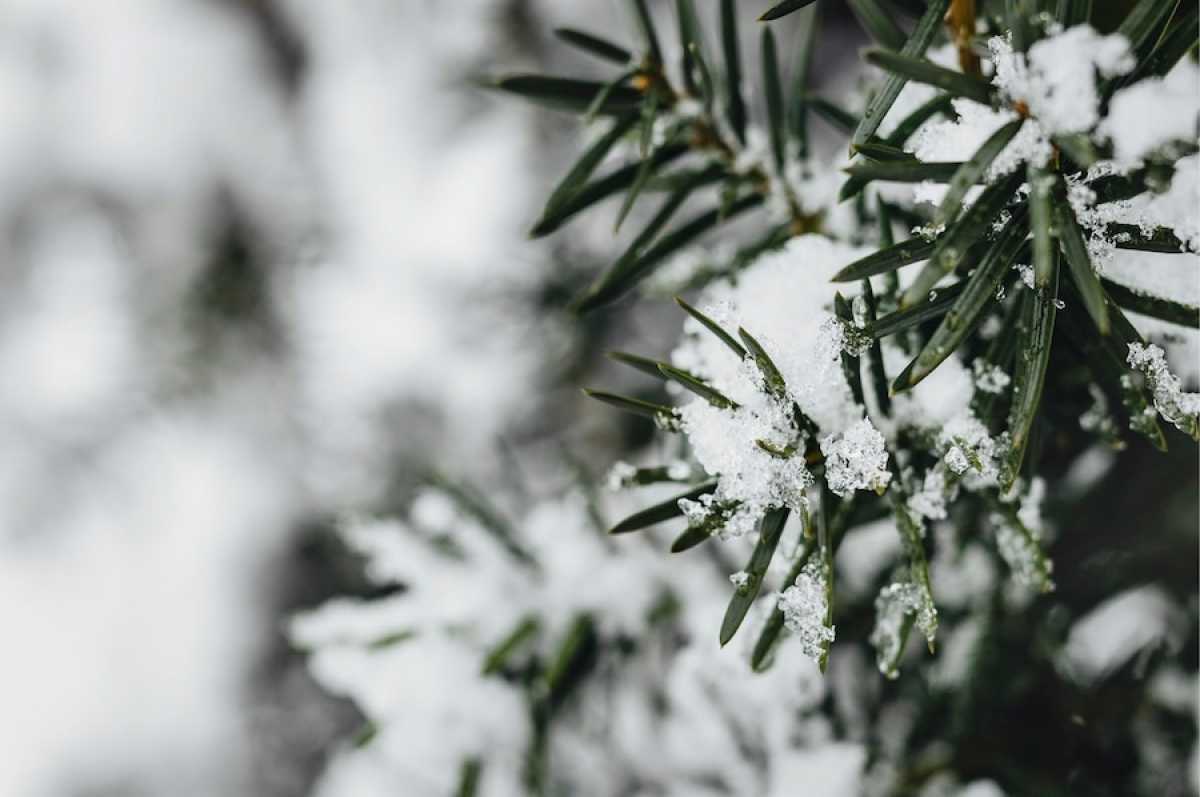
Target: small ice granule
[
  {"x": 620, "y": 475},
  {"x": 739, "y": 579},
  {"x": 929, "y": 232},
  {"x": 1026, "y": 272},
  {"x": 956, "y": 460},
  {"x": 697, "y": 512},
  {"x": 679, "y": 470},
  {"x": 841, "y": 336},
  {"x": 859, "y": 309},
  {"x": 989, "y": 378},
  {"x": 856, "y": 460},
  {"x": 433, "y": 510},
  {"x": 992, "y": 326},
  {"x": 804, "y": 608}
]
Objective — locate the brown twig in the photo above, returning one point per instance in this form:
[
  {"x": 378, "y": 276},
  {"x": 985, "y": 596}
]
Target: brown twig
[{"x": 960, "y": 18}]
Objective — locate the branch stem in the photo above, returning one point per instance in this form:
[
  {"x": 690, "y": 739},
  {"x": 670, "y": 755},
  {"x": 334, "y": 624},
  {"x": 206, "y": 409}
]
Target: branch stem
[{"x": 960, "y": 18}]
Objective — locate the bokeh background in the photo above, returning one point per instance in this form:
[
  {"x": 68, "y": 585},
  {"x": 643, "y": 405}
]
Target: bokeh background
[{"x": 265, "y": 263}]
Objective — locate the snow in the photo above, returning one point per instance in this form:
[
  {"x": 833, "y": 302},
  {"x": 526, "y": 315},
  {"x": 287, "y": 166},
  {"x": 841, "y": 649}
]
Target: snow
[
  {"x": 804, "y": 606},
  {"x": 1180, "y": 408},
  {"x": 1110, "y": 634},
  {"x": 1172, "y": 102},
  {"x": 1056, "y": 79},
  {"x": 856, "y": 460},
  {"x": 959, "y": 139},
  {"x": 783, "y": 300},
  {"x": 894, "y": 602}
]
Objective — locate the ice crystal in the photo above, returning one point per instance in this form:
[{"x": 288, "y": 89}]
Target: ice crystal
[
  {"x": 856, "y": 460},
  {"x": 1026, "y": 272},
  {"x": 1180, "y": 408},
  {"x": 859, "y": 308},
  {"x": 982, "y": 453},
  {"x": 956, "y": 460},
  {"x": 930, "y": 231},
  {"x": 804, "y": 607}
]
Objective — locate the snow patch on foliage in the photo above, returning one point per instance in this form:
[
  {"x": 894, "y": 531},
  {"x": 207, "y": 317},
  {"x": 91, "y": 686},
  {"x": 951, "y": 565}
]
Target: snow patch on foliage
[
  {"x": 804, "y": 607},
  {"x": 1153, "y": 112},
  {"x": 1056, "y": 79},
  {"x": 856, "y": 460}
]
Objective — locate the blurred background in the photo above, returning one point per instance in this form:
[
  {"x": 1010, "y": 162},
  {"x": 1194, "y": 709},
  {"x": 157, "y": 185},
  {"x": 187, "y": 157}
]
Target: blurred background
[{"x": 266, "y": 262}]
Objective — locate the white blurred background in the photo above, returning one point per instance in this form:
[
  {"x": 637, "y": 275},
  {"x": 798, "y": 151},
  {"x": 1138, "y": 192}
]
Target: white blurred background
[{"x": 256, "y": 255}]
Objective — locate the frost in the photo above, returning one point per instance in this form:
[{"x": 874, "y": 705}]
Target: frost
[
  {"x": 856, "y": 460},
  {"x": 1180, "y": 408},
  {"x": 895, "y": 603},
  {"x": 1056, "y": 80},
  {"x": 840, "y": 337},
  {"x": 1020, "y": 547},
  {"x": 739, "y": 579},
  {"x": 804, "y": 609},
  {"x": 982, "y": 453},
  {"x": 728, "y": 518},
  {"x": 989, "y": 378}
]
